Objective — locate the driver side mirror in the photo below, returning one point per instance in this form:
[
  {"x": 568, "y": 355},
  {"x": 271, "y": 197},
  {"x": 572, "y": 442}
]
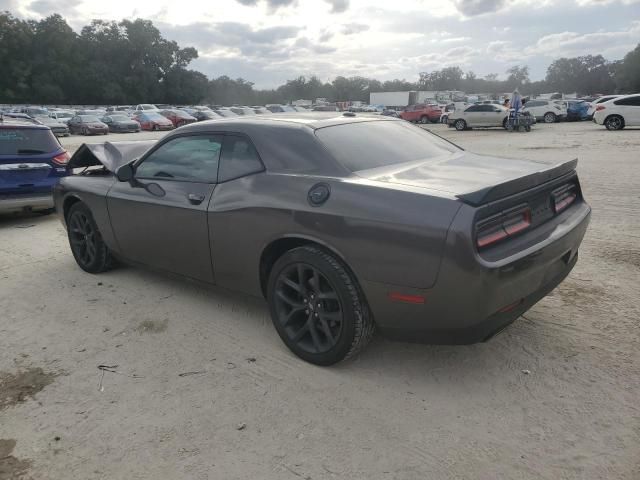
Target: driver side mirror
[{"x": 126, "y": 172}]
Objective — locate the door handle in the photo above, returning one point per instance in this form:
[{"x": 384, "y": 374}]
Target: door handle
[{"x": 195, "y": 198}]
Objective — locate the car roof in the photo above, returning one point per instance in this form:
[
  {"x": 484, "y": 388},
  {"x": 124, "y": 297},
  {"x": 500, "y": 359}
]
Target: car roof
[
  {"x": 21, "y": 123},
  {"x": 312, "y": 120}
]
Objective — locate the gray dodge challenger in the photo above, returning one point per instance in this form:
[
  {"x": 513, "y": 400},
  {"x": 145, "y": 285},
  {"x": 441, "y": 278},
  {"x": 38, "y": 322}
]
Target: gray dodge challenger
[{"x": 343, "y": 223}]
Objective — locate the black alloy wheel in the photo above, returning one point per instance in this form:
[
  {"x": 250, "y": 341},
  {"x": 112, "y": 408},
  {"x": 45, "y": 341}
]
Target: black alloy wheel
[
  {"x": 317, "y": 306},
  {"x": 87, "y": 246},
  {"x": 308, "y": 308}
]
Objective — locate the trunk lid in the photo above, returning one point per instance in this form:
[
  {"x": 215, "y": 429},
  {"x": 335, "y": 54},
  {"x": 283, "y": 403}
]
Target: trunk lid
[{"x": 474, "y": 179}]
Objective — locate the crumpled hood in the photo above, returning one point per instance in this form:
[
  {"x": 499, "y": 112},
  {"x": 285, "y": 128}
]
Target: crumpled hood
[{"x": 109, "y": 154}]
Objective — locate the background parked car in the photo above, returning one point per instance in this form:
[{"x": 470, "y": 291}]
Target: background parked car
[
  {"x": 202, "y": 115},
  {"x": 178, "y": 117},
  {"x": 287, "y": 108},
  {"x": 488, "y": 115},
  {"x": 62, "y": 115},
  {"x": 31, "y": 162},
  {"x": 225, "y": 112},
  {"x": 242, "y": 110},
  {"x": 598, "y": 101},
  {"x": 577, "y": 110},
  {"x": 120, "y": 123},
  {"x": 152, "y": 120},
  {"x": 145, "y": 107},
  {"x": 87, "y": 125},
  {"x": 422, "y": 113},
  {"x": 34, "y": 111},
  {"x": 59, "y": 128},
  {"x": 548, "y": 111},
  {"x": 619, "y": 113}
]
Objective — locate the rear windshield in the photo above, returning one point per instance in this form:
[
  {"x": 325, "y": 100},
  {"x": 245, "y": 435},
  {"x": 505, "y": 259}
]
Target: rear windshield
[
  {"x": 365, "y": 145},
  {"x": 27, "y": 141},
  {"x": 89, "y": 118}
]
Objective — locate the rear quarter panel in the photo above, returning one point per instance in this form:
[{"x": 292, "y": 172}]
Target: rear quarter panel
[{"x": 384, "y": 234}]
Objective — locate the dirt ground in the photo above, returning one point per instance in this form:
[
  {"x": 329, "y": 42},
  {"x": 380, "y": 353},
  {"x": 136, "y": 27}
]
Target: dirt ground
[{"x": 134, "y": 375}]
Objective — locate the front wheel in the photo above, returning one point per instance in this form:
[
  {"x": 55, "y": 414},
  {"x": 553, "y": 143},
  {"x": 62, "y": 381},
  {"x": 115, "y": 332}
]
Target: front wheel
[
  {"x": 460, "y": 125},
  {"x": 317, "y": 306},
  {"x": 614, "y": 122},
  {"x": 424, "y": 119},
  {"x": 549, "y": 117},
  {"x": 87, "y": 246}
]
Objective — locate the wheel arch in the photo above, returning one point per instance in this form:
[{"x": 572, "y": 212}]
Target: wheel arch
[
  {"x": 67, "y": 203},
  {"x": 279, "y": 246}
]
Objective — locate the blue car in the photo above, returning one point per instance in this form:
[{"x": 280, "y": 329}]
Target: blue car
[
  {"x": 31, "y": 162},
  {"x": 577, "y": 110}
]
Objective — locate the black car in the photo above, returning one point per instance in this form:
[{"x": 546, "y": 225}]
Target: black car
[
  {"x": 341, "y": 222},
  {"x": 202, "y": 115},
  {"x": 120, "y": 123}
]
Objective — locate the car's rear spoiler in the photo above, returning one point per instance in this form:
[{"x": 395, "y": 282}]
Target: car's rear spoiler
[
  {"x": 501, "y": 190},
  {"x": 109, "y": 154}
]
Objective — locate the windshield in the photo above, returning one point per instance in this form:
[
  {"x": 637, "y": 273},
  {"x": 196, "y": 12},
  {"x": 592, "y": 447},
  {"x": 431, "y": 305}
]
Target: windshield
[
  {"x": 63, "y": 115},
  {"x": 153, "y": 116},
  {"x": 25, "y": 141},
  {"x": 148, "y": 106},
  {"x": 120, "y": 118},
  {"x": 226, "y": 113},
  {"x": 365, "y": 145},
  {"x": 89, "y": 118}
]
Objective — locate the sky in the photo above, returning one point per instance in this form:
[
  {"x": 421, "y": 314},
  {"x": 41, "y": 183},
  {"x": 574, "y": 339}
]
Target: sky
[{"x": 270, "y": 41}]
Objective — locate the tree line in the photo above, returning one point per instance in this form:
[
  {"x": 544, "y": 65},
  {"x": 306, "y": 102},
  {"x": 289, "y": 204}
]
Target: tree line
[{"x": 128, "y": 62}]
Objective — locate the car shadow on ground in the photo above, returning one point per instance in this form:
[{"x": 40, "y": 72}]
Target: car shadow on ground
[{"x": 23, "y": 219}]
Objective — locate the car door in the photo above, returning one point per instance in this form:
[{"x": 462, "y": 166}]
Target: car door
[
  {"x": 160, "y": 218},
  {"x": 73, "y": 124},
  {"x": 473, "y": 116},
  {"x": 629, "y": 108},
  {"x": 495, "y": 115}
]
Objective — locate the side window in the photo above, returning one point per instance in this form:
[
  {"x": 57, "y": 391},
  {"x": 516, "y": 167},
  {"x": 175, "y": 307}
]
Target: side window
[
  {"x": 486, "y": 108},
  {"x": 238, "y": 159},
  {"x": 193, "y": 158},
  {"x": 475, "y": 108},
  {"x": 630, "y": 101}
]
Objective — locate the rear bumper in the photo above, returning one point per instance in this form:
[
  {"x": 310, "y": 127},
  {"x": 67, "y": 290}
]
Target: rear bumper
[
  {"x": 473, "y": 299},
  {"x": 17, "y": 203}
]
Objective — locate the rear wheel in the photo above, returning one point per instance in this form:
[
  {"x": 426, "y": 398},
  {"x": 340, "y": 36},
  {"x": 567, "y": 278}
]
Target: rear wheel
[
  {"x": 155, "y": 128},
  {"x": 317, "y": 307},
  {"x": 460, "y": 125},
  {"x": 549, "y": 117},
  {"x": 87, "y": 246},
  {"x": 424, "y": 119},
  {"x": 614, "y": 122},
  {"x": 85, "y": 131}
]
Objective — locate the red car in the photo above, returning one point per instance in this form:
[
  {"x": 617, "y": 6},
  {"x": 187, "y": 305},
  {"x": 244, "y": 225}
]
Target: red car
[
  {"x": 422, "y": 112},
  {"x": 153, "y": 121},
  {"x": 178, "y": 117}
]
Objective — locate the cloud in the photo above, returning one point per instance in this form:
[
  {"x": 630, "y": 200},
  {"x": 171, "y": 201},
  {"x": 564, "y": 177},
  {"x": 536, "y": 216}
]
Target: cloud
[
  {"x": 48, "y": 7},
  {"x": 229, "y": 37},
  {"x": 272, "y": 5},
  {"x": 304, "y": 43},
  {"x": 471, "y": 8},
  {"x": 338, "y": 6},
  {"x": 573, "y": 44},
  {"x": 352, "y": 28}
]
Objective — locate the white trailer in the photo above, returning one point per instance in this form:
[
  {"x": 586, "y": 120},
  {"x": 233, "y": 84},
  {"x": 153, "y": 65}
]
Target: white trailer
[{"x": 392, "y": 99}]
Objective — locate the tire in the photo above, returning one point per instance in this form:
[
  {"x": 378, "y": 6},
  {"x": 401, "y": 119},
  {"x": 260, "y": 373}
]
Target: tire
[
  {"x": 528, "y": 128},
  {"x": 155, "y": 128},
  {"x": 424, "y": 119},
  {"x": 317, "y": 306},
  {"x": 614, "y": 122},
  {"x": 460, "y": 125},
  {"x": 505, "y": 124},
  {"x": 88, "y": 248},
  {"x": 84, "y": 131},
  {"x": 549, "y": 117}
]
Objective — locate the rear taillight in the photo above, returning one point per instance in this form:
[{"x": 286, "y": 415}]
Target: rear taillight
[
  {"x": 600, "y": 107},
  {"x": 62, "y": 158},
  {"x": 563, "y": 197},
  {"x": 503, "y": 225}
]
